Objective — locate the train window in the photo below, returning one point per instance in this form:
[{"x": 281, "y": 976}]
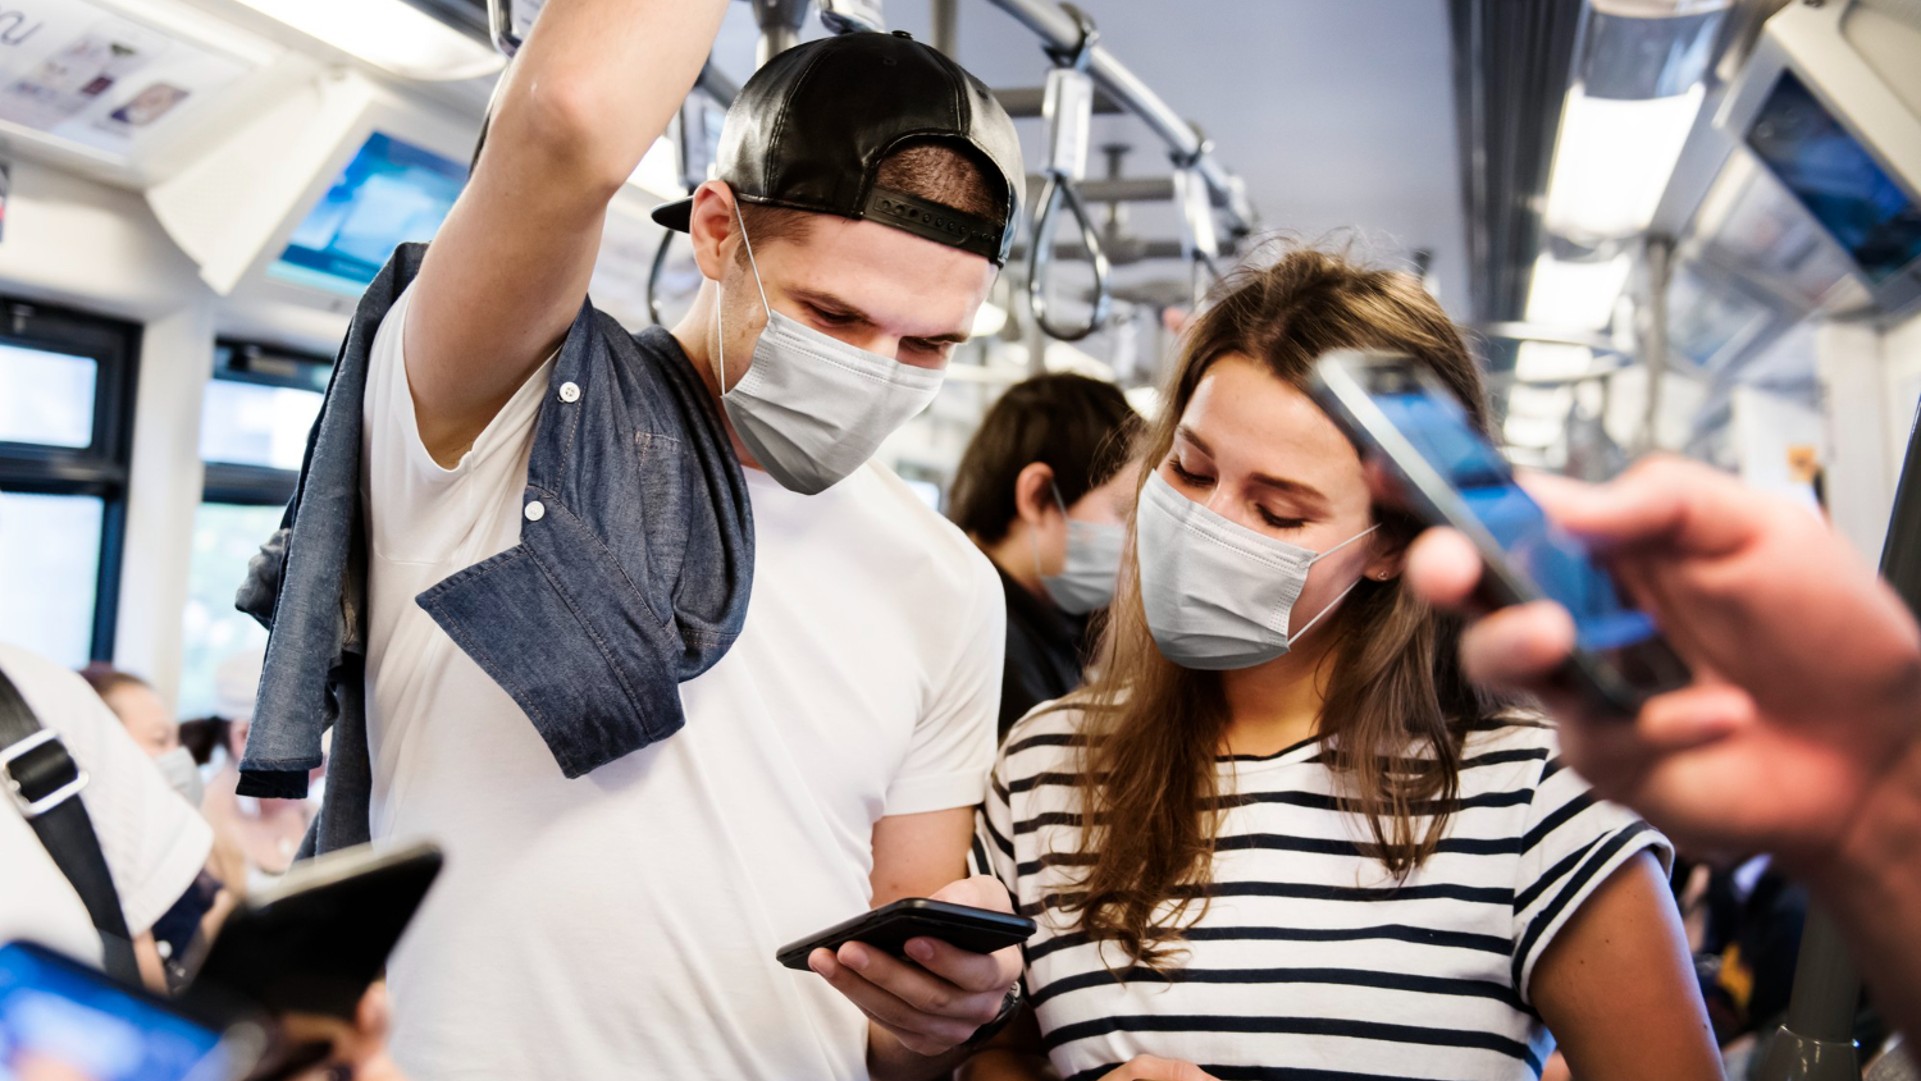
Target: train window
[
  {"x": 258, "y": 408},
  {"x": 66, "y": 426},
  {"x": 50, "y": 573},
  {"x": 46, "y": 398}
]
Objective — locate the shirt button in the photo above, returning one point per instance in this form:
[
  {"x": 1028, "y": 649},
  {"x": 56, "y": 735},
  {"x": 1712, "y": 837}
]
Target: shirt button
[
  {"x": 570, "y": 392},
  {"x": 535, "y": 511}
]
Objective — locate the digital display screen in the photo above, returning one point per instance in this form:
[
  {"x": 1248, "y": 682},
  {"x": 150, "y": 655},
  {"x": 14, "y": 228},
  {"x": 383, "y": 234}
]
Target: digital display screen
[
  {"x": 58, "y": 1020},
  {"x": 1554, "y": 561},
  {"x": 390, "y": 193},
  {"x": 1839, "y": 182}
]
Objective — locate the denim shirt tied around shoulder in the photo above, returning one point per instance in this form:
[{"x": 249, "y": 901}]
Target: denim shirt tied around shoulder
[{"x": 631, "y": 576}]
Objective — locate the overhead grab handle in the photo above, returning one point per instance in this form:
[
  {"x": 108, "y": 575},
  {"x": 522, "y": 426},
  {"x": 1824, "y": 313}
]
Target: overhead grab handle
[{"x": 1068, "y": 107}]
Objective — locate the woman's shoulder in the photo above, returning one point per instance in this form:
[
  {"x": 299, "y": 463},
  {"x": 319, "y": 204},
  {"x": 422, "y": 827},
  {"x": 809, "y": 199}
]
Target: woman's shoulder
[
  {"x": 1047, "y": 740},
  {"x": 1510, "y": 749}
]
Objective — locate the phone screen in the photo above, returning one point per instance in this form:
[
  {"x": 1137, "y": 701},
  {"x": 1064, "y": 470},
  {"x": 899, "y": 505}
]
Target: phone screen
[
  {"x": 60, "y": 1020},
  {"x": 1431, "y": 419}
]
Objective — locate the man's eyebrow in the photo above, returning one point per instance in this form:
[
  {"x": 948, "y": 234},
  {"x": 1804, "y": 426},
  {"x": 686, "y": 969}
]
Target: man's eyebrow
[{"x": 835, "y": 305}]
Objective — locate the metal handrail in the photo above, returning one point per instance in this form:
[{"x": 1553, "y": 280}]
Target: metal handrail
[{"x": 1059, "y": 31}]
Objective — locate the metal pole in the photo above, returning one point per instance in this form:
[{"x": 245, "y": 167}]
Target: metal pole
[
  {"x": 780, "y": 22},
  {"x": 946, "y": 14},
  {"x": 1659, "y": 251},
  {"x": 1816, "y": 1041},
  {"x": 1058, "y": 30}
]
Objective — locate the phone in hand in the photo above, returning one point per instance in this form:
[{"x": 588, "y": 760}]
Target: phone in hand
[
  {"x": 888, "y": 928},
  {"x": 60, "y": 1018},
  {"x": 1404, "y": 418},
  {"x": 315, "y": 941}
]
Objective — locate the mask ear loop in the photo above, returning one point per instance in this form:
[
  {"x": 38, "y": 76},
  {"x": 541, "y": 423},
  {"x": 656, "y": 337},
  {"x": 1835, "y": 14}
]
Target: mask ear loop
[
  {"x": 1294, "y": 636},
  {"x": 1033, "y": 543},
  {"x": 751, "y": 262}
]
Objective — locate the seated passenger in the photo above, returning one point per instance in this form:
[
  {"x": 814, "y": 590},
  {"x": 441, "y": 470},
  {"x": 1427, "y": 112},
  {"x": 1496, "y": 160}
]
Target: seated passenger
[
  {"x": 1044, "y": 489},
  {"x": 1280, "y": 831}
]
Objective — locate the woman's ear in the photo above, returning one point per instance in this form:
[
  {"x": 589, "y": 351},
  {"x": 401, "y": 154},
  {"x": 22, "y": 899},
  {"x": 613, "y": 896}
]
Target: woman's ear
[
  {"x": 1034, "y": 493},
  {"x": 1389, "y": 556},
  {"x": 714, "y": 228}
]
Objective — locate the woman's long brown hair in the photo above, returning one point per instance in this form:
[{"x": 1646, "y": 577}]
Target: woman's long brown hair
[{"x": 1396, "y": 703}]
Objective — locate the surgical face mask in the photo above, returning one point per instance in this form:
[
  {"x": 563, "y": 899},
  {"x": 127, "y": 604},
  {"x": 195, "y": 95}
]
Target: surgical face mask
[
  {"x": 1086, "y": 580},
  {"x": 182, "y": 773},
  {"x": 811, "y": 408},
  {"x": 1219, "y": 595}
]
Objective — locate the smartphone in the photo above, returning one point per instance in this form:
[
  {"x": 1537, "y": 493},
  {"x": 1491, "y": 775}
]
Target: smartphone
[
  {"x": 976, "y": 930},
  {"x": 317, "y": 939},
  {"x": 1402, "y": 416},
  {"x": 63, "y": 1019}
]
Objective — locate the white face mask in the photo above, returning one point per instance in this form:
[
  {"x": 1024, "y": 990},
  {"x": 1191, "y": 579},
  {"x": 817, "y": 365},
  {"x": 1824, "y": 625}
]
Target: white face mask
[
  {"x": 1086, "y": 580},
  {"x": 812, "y": 408},
  {"x": 182, "y": 773},
  {"x": 1219, "y": 595}
]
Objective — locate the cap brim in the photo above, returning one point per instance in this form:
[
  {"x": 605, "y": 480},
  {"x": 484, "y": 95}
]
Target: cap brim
[{"x": 677, "y": 215}]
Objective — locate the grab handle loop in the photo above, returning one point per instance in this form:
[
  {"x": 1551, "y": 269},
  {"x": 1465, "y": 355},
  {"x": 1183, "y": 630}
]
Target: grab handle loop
[{"x": 1068, "y": 107}]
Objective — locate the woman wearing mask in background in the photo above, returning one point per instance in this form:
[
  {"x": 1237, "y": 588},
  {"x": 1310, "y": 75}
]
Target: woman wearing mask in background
[
  {"x": 1310, "y": 849},
  {"x": 1043, "y": 489}
]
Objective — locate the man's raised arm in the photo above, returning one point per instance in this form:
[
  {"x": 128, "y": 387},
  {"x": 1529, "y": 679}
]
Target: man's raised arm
[{"x": 595, "y": 84}]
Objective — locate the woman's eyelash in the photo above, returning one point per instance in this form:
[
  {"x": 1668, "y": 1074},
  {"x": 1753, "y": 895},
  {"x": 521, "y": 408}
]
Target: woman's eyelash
[
  {"x": 1282, "y": 523},
  {"x": 1191, "y": 478}
]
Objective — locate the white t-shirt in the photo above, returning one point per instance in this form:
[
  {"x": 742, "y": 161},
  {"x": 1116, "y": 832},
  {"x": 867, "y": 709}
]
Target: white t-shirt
[
  {"x": 624, "y": 924},
  {"x": 1310, "y": 960},
  {"x": 154, "y": 841}
]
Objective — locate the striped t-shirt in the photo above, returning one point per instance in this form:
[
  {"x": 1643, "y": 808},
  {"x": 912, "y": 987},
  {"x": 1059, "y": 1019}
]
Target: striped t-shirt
[{"x": 1311, "y": 963}]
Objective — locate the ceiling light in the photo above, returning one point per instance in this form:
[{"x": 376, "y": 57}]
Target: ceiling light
[
  {"x": 1575, "y": 296},
  {"x": 389, "y": 34},
  {"x": 1612, "y": 161},
  {"x": 1549, "y": 362}
]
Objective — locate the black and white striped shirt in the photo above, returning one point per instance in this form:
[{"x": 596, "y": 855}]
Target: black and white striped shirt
[{"x": 1311, "y": 963}]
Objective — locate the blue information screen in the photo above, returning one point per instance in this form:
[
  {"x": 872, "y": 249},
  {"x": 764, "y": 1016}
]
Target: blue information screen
[
  {"x": 390, "y": 193},
  {"x": 56, "y": 1022},
  {"x": 1556, "y": 562},
  {"x": 1836, "y": 178}
]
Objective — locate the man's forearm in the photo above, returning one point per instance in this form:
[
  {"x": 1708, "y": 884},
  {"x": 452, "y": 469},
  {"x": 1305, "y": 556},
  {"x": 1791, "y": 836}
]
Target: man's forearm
[{"x": 1873, "y": 890}]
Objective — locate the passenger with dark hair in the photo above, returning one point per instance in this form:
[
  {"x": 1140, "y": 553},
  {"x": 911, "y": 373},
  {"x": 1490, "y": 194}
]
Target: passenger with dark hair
[
  {"x": 1044, "y": 489},
  {"x": 1280, "y": 834}
]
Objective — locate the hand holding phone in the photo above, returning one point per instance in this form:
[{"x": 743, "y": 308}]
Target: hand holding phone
[
  {"x": 906, "y": 967},
  {"x": 1407, "y": 423}
]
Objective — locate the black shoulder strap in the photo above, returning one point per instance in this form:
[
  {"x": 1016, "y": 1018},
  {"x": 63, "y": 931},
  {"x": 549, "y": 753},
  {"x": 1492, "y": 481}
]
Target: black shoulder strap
[{"x": 44, "y": 782}]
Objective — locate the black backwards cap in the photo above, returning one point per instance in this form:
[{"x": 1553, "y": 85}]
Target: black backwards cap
[{"x": 811, "y": 128}]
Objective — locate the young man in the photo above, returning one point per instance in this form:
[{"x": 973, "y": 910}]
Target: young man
[{"x": 613, "y": 899}]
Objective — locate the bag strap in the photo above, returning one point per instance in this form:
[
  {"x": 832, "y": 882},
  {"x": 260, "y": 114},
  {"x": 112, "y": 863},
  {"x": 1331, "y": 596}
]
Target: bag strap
[{"x": 44, "y": 782}]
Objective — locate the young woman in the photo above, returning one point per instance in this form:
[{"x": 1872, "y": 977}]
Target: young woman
[
  {"x": 1281, "y": 836},
  {"x": 1044, "y": 489}
]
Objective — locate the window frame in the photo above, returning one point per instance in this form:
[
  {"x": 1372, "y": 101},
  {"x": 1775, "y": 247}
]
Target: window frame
[
  {"x": 100, "y": 469},
  {"x": 268, "y": 366}
]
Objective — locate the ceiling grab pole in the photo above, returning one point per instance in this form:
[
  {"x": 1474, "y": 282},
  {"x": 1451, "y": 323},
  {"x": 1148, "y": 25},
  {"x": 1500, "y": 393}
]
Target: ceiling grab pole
[{"x": 1068, "y": 110}]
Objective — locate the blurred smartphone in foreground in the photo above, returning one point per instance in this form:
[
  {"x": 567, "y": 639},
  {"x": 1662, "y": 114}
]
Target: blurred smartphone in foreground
[
  {"x": 61, "y": 1020},
  {"x": 1403, "y": 418},
  {"x": 318, "y": 939}
]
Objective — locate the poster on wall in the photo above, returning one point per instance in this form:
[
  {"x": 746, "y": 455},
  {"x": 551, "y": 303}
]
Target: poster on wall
[{"x": 77, "y": 70}]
